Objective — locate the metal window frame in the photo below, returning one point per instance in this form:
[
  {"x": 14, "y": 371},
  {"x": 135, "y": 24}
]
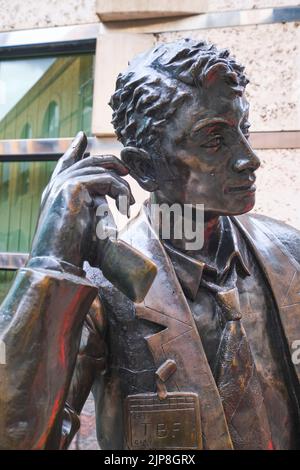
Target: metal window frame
[
  {"x": 48, "y": 41},
  {"x": 52, "y": 149},
  {"x": 12, "y": 261}
]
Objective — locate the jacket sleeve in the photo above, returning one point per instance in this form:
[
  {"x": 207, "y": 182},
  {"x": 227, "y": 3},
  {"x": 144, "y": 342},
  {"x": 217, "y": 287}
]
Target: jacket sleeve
[{"x": 41, "y": 322}]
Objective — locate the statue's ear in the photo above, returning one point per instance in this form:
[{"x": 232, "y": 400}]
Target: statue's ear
[{"x": 141, "y": 167}]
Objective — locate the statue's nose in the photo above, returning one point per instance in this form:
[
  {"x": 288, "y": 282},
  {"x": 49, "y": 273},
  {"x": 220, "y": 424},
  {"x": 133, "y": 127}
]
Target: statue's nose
[{"x": 248, "y": 160}]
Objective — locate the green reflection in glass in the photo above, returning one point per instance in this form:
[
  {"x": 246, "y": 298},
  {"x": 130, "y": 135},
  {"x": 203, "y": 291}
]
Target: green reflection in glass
[
  {"x": 26, "y": 132},
  {"x": 46, "y": 97},
  {"x": 6, "y": 278},
  {"x": 21, "y": 187},
  {"x": 51, "y": 120}
]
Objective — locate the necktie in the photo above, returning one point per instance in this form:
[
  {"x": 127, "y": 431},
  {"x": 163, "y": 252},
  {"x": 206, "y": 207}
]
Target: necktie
[{"x": 236, "y": 375}]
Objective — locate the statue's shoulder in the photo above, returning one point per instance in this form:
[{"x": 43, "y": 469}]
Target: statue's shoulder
[{"x": 287, "y": 235}]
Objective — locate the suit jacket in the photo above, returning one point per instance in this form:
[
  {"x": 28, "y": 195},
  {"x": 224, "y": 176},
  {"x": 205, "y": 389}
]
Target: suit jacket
[
  {"x": 132, "y": 360},
  {"x": 125, "y": 346}
]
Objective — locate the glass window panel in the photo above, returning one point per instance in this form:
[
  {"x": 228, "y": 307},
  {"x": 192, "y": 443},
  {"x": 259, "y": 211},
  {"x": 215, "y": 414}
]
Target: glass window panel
[
  {"x": 6, "y": 278},
  {"x": 21, "y": 187},
  {"x": 54, "y": 98}
]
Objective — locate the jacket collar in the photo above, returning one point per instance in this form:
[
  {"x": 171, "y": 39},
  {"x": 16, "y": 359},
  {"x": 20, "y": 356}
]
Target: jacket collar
[{"x": 190, "y": 266}]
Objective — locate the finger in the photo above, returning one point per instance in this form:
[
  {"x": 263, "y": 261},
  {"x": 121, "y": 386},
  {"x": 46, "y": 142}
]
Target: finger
[
  {"x": 122, "y": 194},
  {"x": 111, "y": 162},
  {"x": 108, "y": 162},
  {"x": 92, "y": 173},
  {"x": 77, "y": 173},
  {"x": 74, "y": 153},
  {"x": 115, "y": 187},
  {"x": 123, "y": 183},
  {"x": 107, "y": 184}
]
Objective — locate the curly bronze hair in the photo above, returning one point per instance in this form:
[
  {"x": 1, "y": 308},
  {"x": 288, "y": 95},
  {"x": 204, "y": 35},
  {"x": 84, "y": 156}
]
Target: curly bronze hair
[{"x": 155, "y": 83}]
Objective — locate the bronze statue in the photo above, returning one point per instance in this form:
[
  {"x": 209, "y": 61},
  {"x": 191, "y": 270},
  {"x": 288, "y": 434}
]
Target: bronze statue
[{"x": 200, "y": 354}]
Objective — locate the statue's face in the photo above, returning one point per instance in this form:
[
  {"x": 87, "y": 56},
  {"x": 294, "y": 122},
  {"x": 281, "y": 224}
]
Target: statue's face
[{"x": 208, "y": 153}]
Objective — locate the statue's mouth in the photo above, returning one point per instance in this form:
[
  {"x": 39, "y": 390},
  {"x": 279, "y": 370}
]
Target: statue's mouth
[
  {"x": 251, "y": 188},
  {"x": 247, "y": 188}
]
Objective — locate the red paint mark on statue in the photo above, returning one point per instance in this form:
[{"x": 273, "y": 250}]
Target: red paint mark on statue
[
  {"x": 40, "y": 445},
  {"x": 210, "y": 227},
  {"x": 215, "y": 73},
  {"x": 66, "y": 327},
  {"x": 270, "y": 445},
  {"x": 249, "y": 206}
]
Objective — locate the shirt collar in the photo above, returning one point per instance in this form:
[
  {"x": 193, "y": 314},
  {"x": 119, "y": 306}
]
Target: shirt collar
[{"x": 189, "y": 267}]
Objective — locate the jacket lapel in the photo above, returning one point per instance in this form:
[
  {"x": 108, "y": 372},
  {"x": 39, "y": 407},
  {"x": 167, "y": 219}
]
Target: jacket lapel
[
  {"x": 165, "y": 304},
  {"x": 283, "y": 274}
]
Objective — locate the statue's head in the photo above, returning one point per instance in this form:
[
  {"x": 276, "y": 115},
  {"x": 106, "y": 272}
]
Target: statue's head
[{"x": 182, "y": 116}]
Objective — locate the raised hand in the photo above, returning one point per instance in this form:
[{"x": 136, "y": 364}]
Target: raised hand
[{"x": 66, "y": 227}]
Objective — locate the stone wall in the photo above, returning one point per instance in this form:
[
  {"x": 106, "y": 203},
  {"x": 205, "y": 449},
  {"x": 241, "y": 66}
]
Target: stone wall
[
  {"x": 271, "y": 54},
  {"x": 278, "y": 185},
  {"x": 20, "y": 14}
]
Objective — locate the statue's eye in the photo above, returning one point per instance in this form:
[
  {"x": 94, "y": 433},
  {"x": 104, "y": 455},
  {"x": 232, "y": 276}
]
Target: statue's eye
[{"x": 214, "y": 142}]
